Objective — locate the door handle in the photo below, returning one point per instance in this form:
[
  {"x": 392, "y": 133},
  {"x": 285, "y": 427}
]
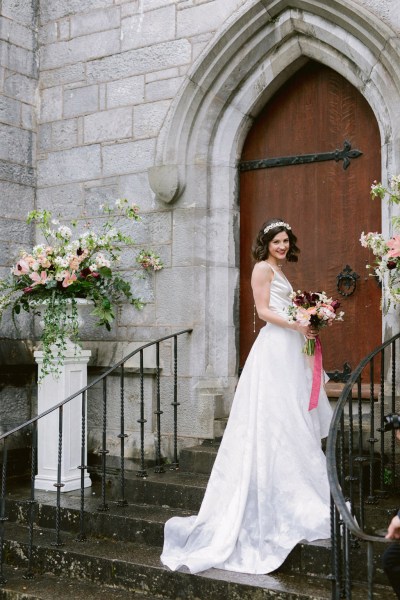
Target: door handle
[{"x": 346, "y": 281}]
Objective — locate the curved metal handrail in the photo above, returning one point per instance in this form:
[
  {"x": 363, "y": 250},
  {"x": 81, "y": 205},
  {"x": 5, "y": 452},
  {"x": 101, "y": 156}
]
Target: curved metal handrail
[
  {"x": 93, "y": 383},
  {"x": 336, "y": 491}
]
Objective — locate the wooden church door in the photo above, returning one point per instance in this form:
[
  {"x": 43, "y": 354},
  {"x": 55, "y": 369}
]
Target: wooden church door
[{"x": 317, "y": 112}]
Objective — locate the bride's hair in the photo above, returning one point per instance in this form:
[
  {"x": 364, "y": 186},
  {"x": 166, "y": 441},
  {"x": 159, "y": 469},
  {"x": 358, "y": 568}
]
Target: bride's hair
[{"x": 267, "y": 234}]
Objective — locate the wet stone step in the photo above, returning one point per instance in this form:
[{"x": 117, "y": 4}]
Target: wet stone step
[
  {"x": 137, "y": 568},
  {"x": 51, "y": 587}
]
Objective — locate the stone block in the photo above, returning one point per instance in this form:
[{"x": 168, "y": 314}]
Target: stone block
[
  {"x": 15, "y": 230},
  {"x": 154, "y": 228},
  {"x": 21, "y": 87},
  {"x": 28, "y": 118},
  {"x": 125, "y": 92},
  {"x": 136, "y": 188},
  {"x": 48, "y": 34},
  {"x": 63, "y": 201},
  {"x": 63, "y": 75},
  {"x": 9, "y": 110},
  {"x": 19, "y": 11},
  {"x": 142, "y": 60},
  {"x": 50, "y": 10},
  {"x": 24, "y": 174},
  {"x": 176, "y": 284},
  {"x": 83, "y": 48},
  {"x": 44, "y": 137},
  {"x": 64, "y": 134},
  {"x": 196, "y": 19},
  {"x": 166, "y": 88},
  {"x": 148, "y": 118},
  {"x": 17, "y": 34},
  {"x": 108, "y": 125},
  {"x": 18, "y": 59},
  {"x": 163, "y": 74},
  {"x": 147, "y": 28},
  {"x": 51, "y": 104},
  {"x": 15, "y": 200},
  {"x": 16, "y": 145},
  {"x": 64, "y": 30},
  {"x": 66, "y": 166},
  {"x": 131, "y": 157},
  {"x": 97, "y": 195},
  {"x": 95, "y": 21},
  {"x": 81, "y": 100}
]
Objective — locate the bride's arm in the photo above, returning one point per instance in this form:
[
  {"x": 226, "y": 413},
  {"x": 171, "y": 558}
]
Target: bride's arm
[{"x": 261, "y": 279}]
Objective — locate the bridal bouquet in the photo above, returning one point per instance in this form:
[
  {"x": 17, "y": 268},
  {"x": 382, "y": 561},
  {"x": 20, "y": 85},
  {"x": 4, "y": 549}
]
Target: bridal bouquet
[
  {"x": 50, "y": 278},
  {"x": 315, "y": 309}
]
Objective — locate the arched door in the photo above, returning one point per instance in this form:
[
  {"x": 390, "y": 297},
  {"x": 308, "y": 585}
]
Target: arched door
[{"x": 328, "y": 206}]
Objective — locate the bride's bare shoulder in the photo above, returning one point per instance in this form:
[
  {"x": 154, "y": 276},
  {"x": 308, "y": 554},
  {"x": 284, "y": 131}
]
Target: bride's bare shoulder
[{"x": 262, "y": 271}]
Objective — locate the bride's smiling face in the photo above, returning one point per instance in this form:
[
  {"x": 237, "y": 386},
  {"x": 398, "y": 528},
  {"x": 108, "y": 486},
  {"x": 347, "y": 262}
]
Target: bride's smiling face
[{"x": 279, "y": 246}]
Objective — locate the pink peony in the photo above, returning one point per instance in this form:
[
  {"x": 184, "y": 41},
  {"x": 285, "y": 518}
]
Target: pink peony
[{"x": 394, "y": 245}]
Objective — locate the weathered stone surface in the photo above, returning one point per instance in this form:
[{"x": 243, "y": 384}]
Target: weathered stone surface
[
  {"x": 120, "y": 159},
  {"x": 51, "y": 104},
  {"x": 28, "y": 120},
  {"x": 50, "y": 10},
  {"x": 95, "y": 21},
  {"x": 82, "y": 48},
  {"x": 19, "y": 11},
  {"x": 97, "y": 195},
  {"x": 64, "y": 201},
  {"x": 64, "y": 134},
  {"x": 145, "y": 29},
  {"x": 81, "y": 100},
  {"x": 108, "y": 125},
  {"x": 16, "y": 230},
  {"x": 17, "y": 34},
  {"x": 16, "y": 144},
  {"x": 15, "y": 200},
  {"x": 160, "y": 90},
  {"x": 136, "y": 188},
  {"x": 142, "y": 60},
  {"x": 125, "y": 92},
  {"x": 77, "y": 164},
  {"x": 18, "y": 59},
  {"x": 9, "y": 111},
  {"x": 17, "y": 173},
  {"x": 196, "y": 19},
  {"x": 21, "y": 87},
  {"x": 63, "y": 75},
  {"x": 148, "y": 118}
]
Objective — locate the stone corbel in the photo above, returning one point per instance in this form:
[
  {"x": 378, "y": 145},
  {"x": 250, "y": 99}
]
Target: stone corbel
[{"x": 167, "y": 182}]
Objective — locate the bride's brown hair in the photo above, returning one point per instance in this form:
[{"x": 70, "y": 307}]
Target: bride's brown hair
[{"x": 260, "y": 246}]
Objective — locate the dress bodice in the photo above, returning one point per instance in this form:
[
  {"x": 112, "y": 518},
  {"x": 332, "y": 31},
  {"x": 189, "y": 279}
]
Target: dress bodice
[{"x": 280, "y": 293}]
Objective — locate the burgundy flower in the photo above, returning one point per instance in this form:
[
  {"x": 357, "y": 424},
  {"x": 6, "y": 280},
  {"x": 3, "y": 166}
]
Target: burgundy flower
[
  {"x": 335, "y": 305},
  {"x": 79, "y": 251},
  {"x": 391, "y": 264},
  {"x": 85, "y": 272}
]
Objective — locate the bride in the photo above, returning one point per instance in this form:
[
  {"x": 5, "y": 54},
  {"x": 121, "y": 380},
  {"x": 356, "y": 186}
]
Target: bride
[{"x": 268, "y": 489}]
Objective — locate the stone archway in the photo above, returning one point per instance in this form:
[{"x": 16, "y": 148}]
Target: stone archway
[{"x": 201, "y": 140}]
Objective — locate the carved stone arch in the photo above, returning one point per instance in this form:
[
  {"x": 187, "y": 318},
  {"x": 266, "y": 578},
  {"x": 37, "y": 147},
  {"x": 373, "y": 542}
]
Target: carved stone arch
[
  {"x": 252, "y": 57},
  {"x": 202, "y": 137}
]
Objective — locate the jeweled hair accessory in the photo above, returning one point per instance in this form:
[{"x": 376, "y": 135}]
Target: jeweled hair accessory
[{"x": 277, "y": 224}]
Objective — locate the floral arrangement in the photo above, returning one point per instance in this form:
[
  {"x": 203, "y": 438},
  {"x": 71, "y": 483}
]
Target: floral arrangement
[
  {"x": 315, "y": 309},
  {"x": 61, "y": 270},
  {"x": 386, "y": 251}
]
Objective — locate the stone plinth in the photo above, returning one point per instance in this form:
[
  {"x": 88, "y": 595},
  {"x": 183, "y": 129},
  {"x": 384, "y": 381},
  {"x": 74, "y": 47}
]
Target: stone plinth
[{"x": 51, "y": 391}]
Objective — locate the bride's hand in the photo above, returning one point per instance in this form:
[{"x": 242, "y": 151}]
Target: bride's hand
[{"x": 307, "y": 330}]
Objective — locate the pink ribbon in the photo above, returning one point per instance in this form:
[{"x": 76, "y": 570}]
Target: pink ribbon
[{"x": 317, "y": 375}]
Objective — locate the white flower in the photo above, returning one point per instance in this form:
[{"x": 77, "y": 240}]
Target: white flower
[
  {"x": 60, "y": 275},
  {"x": 65, "y": 232},
  {"x": 93, "y": 267},
  {"x": 55, "y": 221},
  {"x": 118, "y": 203}
]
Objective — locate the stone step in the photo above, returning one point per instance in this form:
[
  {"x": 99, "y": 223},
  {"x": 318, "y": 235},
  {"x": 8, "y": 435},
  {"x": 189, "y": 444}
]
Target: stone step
[
  {"x": 136, "y": 568},
  {"x": 198, "y": 459},
  {"x": 49, "y": 587}
]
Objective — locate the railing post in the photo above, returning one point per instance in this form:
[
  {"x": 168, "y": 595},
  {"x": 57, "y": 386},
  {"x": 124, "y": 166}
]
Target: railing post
[
  {"x": 3, "y": 517},
  {"x": 59, "y": 484},
  {"x": 175, "y": 404},
  {"x": 122, "y": 436},
  {"x": 104, "y": 507},
  {"x": 142, "y": 471},
  {"x": 32, "y": 502},
  {"x": 371, "y": 499},
  {"x": 82, "y": 535},
  {"x": 158, "y": 412},
  {"x": 382, "y": 493}
]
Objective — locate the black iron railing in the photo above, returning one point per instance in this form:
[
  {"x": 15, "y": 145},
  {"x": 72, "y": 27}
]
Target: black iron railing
[
  {"x": 32, "y": 425},
  {"x": 362, "y": 470}
]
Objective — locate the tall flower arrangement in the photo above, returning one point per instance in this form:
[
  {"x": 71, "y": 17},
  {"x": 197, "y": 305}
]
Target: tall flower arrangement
[
  {"x": 64, "y": 268},
  {"x": 386, "y": 251}
]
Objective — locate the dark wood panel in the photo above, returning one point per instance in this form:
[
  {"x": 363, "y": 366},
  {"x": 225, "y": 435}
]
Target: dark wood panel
[{"x": 328, "y": 207}]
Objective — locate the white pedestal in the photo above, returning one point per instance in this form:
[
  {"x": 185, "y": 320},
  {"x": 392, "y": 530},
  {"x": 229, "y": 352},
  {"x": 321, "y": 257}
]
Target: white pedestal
[{"x": 51, "y": 391}]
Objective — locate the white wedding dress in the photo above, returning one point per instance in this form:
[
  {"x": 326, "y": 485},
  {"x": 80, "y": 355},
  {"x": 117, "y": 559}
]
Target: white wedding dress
[{"x": 268, "y": 489}]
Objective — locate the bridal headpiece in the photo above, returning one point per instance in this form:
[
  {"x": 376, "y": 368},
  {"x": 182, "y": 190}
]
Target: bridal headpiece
[{"x": 277, "y": 224}]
